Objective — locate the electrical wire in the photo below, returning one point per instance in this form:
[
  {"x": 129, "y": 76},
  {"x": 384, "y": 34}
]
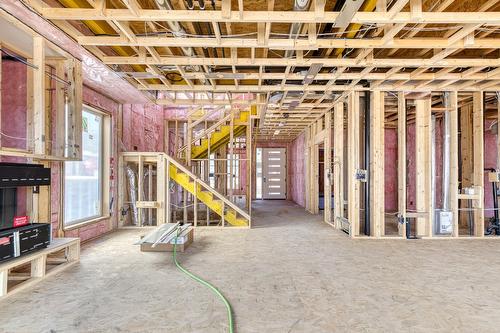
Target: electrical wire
[{"x": 205, "y": 283}]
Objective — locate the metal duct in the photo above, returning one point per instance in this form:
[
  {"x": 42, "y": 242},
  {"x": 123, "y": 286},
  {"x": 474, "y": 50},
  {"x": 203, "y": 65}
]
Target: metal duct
[
  {"x": 178, "y": 31},
  {"x": 132, "y": 192},
  {"x": 446, "y": 152},
  {"x": 298, "y": 5}
]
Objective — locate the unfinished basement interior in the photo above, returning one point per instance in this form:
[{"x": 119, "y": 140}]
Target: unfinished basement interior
[{"x": 249, "y": 166}]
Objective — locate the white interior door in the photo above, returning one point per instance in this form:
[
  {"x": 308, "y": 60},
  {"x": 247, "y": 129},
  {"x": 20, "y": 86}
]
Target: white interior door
[{"x": 273, "y": 173}]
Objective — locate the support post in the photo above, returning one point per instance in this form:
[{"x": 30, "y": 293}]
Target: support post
[
  {"x": 377, "y": 225},
  {"x": 423, "y": 166},
  {"x": 353, "y": 163},
  {"x": 478, "y": 177},
  {"x": 453, "y": 114},
  {"x": 39, "y": 95},
  {"x": 338, "y": 168}
]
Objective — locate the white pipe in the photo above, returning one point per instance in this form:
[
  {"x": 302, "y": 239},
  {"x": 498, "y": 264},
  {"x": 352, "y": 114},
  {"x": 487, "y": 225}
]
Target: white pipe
[{"x": 446, "y": 152}]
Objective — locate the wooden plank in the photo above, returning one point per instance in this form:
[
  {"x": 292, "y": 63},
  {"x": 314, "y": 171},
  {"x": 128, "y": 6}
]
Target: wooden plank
[
  {"x": 377, "y": 224},
  {"x": 454, "y": 184},
  {"x": 423, "y": 165},
  {"x": 478, "y": 177},
  {"x": 39, "y": 95},
  {"x": 338, "y": 169},
  {"x": 353, "y": 185},
  {"x": 402, "y": 161}
]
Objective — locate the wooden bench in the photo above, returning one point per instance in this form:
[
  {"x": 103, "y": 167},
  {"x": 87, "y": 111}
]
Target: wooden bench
[{"x": 22, "y": 272}]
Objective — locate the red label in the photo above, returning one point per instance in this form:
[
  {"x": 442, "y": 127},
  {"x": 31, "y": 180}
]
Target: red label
[
  {"x": 4, "y": 241},
  {"x": 20, "y": 221}
]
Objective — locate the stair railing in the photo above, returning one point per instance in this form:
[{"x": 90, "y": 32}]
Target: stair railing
[
  {"x": 206, "y": 132},
  {"x": 198, "y": 180}
]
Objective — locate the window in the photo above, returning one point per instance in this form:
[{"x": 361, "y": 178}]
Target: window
[
  {"x": 83, "y": 180},
  {"x": 234, "y": 174}
]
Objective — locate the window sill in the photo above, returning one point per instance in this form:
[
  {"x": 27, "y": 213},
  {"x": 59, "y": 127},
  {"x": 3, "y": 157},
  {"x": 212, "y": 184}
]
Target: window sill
[{"x": 84, "y": 223}]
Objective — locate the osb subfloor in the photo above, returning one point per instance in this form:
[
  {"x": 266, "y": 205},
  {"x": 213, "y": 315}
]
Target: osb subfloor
[{"x": 291, "y": 273}]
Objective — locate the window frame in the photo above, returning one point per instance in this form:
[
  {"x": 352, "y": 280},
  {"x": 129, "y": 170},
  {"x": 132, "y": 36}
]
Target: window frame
[{"x": 105, "y": 151}]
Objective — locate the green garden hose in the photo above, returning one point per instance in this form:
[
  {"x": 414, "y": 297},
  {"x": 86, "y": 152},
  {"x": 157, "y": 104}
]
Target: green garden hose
[{"x": 205, "y": 283}]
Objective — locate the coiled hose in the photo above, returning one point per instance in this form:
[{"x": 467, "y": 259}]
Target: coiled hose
[{"x": 205, "y": 283}]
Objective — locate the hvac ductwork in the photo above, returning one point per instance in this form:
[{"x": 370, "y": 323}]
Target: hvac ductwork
[
  {"x": 299, "y": 6},
  {"x": 178, "y": 31}
]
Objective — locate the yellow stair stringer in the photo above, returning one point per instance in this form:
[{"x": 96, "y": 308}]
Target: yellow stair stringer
[
  {"x": 183, "y": 178},
  {"x": 222, "y": 137}
]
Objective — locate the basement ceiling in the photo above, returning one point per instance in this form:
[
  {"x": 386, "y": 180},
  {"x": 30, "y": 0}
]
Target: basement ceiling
[{"x": 297, "y": 58}]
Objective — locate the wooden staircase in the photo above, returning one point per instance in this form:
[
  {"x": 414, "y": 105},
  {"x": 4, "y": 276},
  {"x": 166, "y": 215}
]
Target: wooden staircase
[{"x": 212, "y": 199}]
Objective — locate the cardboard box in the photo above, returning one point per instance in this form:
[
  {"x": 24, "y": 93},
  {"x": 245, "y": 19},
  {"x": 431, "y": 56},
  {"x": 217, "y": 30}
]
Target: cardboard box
[{"x": 183, "y": 243}]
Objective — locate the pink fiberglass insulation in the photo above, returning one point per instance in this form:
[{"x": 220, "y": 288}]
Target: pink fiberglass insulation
[
  {"x": 95, "y": 73},
  {"x": 391, "y": 169},
  {"x": 297, "y": 170},
  {"x": 143, "y": 127},
  {"x": 14, "y": 104},
  {"x": 490, "y": 161}
]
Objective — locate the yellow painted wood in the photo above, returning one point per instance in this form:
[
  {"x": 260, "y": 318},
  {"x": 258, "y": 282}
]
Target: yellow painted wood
[{"x": 206, "y": 197}]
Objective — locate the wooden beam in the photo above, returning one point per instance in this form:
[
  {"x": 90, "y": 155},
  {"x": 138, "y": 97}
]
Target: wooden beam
[
  {"x": 338, "y": 160},
  {"x": 423, "y": 166},
  {"x": 377, "y": 185},
  {"x": 305, "y": 62},
  {"x": 478, "y": 177},
  {"x": 294, "y": 44},
  {"x": 38, "y": 87},
  {"x": 226, "y": 15},
  {"x": 353, "y": 185}
]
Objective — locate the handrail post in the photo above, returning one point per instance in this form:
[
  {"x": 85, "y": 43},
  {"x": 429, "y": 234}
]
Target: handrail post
[{"x": 195, "y": 202}]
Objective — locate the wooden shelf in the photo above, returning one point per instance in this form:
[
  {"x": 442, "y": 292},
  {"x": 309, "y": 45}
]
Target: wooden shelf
[{"x": 25, "y": 271}]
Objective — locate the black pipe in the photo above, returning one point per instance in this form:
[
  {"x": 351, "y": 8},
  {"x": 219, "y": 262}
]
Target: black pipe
[{"x": 367, "y": 163}]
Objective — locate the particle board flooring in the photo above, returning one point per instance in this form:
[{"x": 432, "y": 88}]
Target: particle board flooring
[{"x": 291, "y": 273}]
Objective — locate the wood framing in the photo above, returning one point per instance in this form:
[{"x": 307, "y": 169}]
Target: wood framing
[
  {"x": 377, "y": 220},
  {"x": 423, "y": 167},
  {"x": 353, "y": 145},
  {"x": 478, "y": 177}
]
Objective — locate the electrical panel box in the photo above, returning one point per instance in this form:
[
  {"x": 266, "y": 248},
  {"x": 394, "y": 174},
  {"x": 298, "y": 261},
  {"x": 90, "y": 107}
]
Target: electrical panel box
[{"x": 444, "y": 222}]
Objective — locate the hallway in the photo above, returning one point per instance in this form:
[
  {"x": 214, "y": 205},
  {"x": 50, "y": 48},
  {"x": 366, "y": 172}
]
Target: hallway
[{"x": 290, "y": 273}]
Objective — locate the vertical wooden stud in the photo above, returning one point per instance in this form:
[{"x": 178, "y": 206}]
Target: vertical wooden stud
[
  {"x": 478, "y": 143},
  {"x": 377, "y": 224},
  {"x": 423, "y": 164},
  {"x": 338, "y": 169},
  {"x": 353, "y": 185},
  {"x": 453, "y": 114}
]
